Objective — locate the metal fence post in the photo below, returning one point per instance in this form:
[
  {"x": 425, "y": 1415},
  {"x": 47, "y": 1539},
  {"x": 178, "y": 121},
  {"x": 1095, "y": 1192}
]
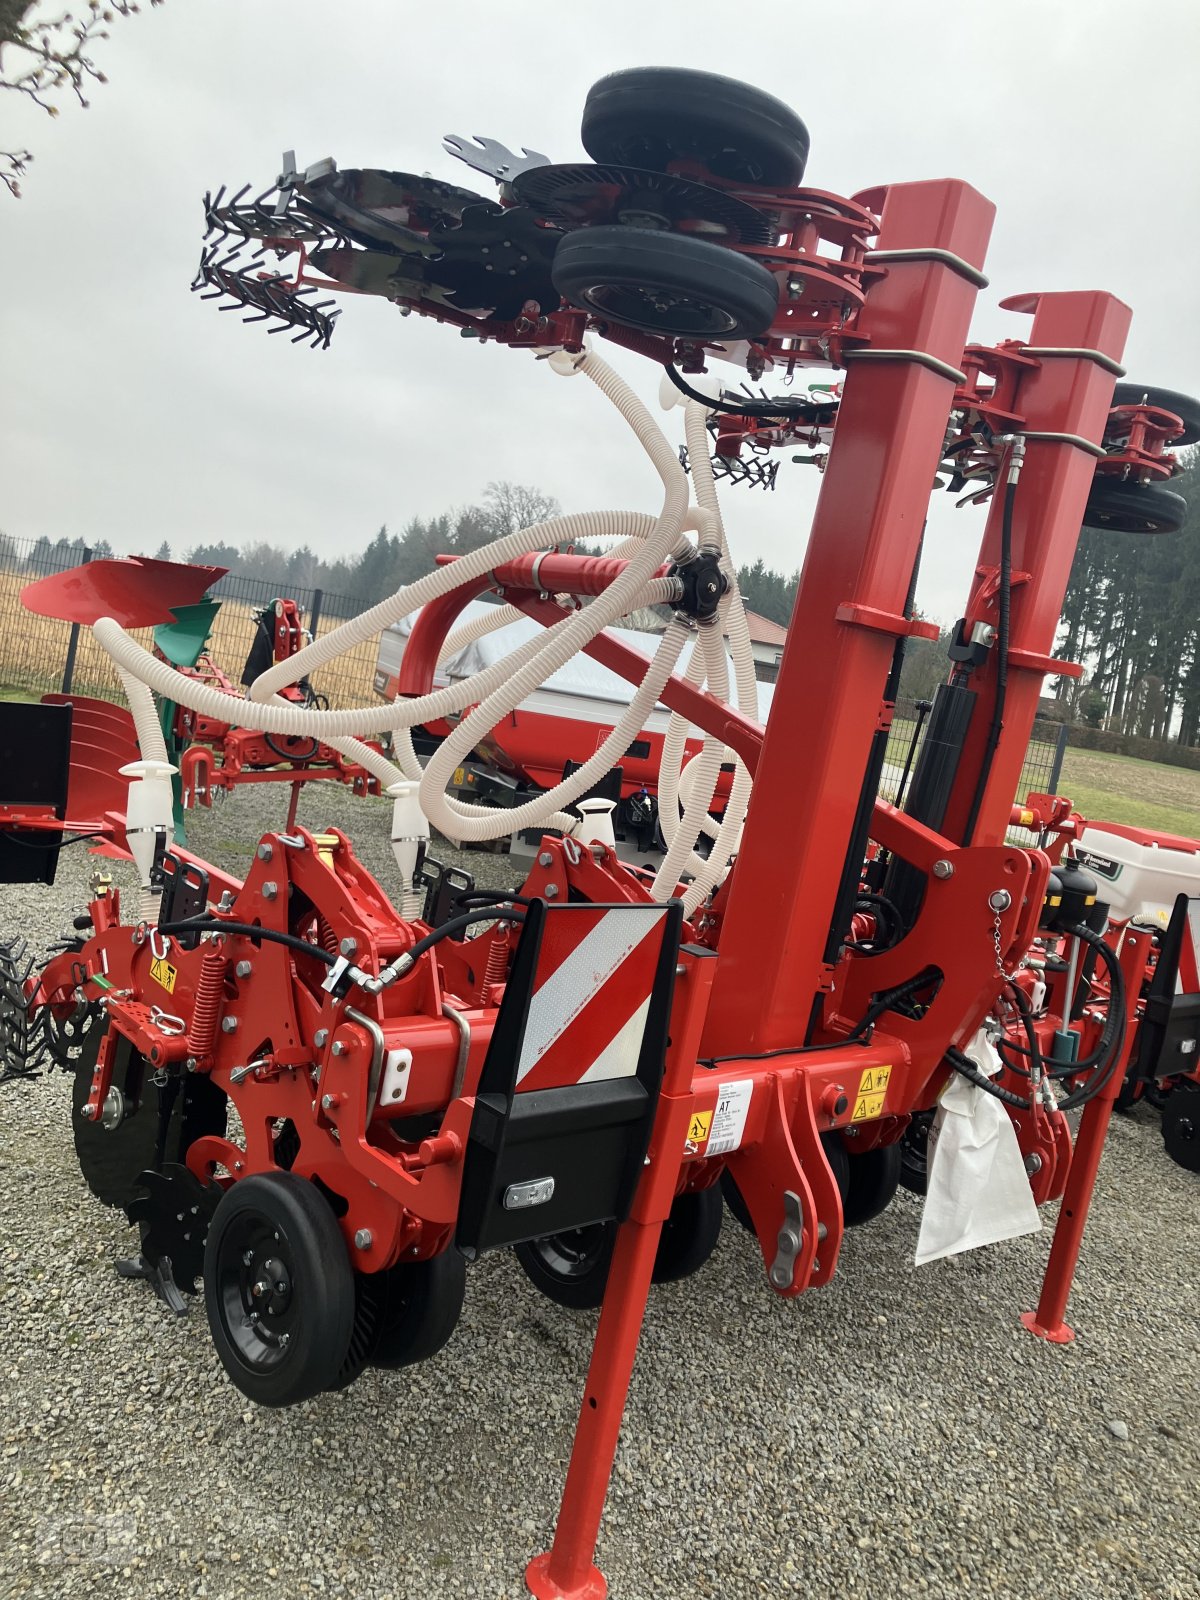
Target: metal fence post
[
  {"x": 73, "y": 641},
  {"x": 1060, "y": 750},
  {"x": 314, "y": 611}
]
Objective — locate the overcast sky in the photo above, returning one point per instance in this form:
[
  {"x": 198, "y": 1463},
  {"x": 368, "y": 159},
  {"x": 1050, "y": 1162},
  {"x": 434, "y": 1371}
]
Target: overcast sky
[{"x": 132, "y": 411}]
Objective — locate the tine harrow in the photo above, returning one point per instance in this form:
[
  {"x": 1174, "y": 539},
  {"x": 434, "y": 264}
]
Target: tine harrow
[{"x": 265, "y": 295}]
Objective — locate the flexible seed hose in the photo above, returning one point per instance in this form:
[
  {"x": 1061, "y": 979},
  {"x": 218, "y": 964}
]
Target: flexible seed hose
[{"x": 649, "y": 543}]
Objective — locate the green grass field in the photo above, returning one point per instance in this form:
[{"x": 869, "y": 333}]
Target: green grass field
[{"x": 1144, "y": 794}]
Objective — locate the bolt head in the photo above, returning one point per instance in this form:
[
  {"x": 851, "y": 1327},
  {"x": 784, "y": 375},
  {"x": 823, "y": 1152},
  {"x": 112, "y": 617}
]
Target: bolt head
[
  {"x": 88, "y": 1113},
  {"x": 943, "y": 869},
  {"x": 551, "y": 891},
  {"x": 1000, "y": 900},
  {"x": 243, "y": 969},
  {"x": 229, "y": 1024},
  {"x": 265, "y": 852},
  {"x": 348, "y": 946},
  {"x": 326, "y": 1102},
  {"x": 191, "y": 1064},
  {"x": 320, "y": 1037},
  {"x": 362, "y": 1239},
  {"x": 545, "y": 859},
  {"x": 339, "y": 1049},
  {"x": 270, "y": 890}
]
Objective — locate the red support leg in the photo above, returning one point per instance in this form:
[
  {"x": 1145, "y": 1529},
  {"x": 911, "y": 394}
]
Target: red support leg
[
  {"x": 1049, "y": 1320},
  {"x": 567, "y": 1571}
]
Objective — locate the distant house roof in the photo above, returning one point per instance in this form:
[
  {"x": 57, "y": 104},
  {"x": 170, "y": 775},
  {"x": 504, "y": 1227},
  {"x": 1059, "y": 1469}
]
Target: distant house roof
[{"x": 764, "y": 631}]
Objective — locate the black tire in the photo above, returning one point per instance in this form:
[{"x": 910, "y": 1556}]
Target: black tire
[
  {"x": 299, "y": 1339},
  {"x": 733, "y": 1199},
  {"x": 421, "y": 1304},
  {"x": 365, "y": 1331},
  {"x": 914, "y": 1152},
  {"x": 874, "y": 1179},
  {"x": 672, "y": 283},
  {"x": 1134, "y": 507},
  {"x": 570, "y": 1268},
  {"x": 1179, "y": 405},
  {"x": 650, "y": 116},
  {"x": 689, "y": 1235},
  {"x": 1181, "y": 1126}
]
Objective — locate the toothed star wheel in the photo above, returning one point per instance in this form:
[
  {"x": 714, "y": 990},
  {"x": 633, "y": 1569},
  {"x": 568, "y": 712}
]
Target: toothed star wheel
[
  {"x": 173, "y": 1212},
  {"x": 22, "y": 1038}
]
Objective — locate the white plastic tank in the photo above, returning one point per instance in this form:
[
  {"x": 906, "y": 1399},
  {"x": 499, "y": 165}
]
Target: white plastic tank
[{"x": 1140, "y": 873}]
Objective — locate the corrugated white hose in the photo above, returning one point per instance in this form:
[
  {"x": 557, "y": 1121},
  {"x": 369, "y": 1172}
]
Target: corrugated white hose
[
  {"x": 286, "y": 718},
  {"x": 459, "y": 820},
  {"x": 463, "y": 821},
  {"x": 665, "y": 540},
  {"x": 152, "y": 746},
  {"x": 707, "y": 764},
  {"x": 736, "y": 627}
]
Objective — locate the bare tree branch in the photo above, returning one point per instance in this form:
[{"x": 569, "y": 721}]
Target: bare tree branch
[{"x": 43, "y": 56}]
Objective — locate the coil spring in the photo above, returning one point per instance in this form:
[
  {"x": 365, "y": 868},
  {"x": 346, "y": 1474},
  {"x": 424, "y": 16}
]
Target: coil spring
[
  {"x": 496, "y": 967},
  {"x": 328, "y": 936},
  {"x": 206, "y": 1008}
]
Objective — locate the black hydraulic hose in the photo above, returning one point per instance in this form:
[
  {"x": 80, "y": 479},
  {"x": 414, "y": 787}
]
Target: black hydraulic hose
[
  {"x": 967, "y": 1069},
  {"x": 794, "y": 408},
  {"x": 50, "y": 842},
  {"x": 1108, "y": 1051},
  {"x": 457, "y": 925},
  {"x": 1004, "y": 600},
  {"x": 251, "y": 930}
]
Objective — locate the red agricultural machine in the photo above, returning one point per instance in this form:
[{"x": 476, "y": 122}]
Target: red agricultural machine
[{"x": 580, "y": 1067}]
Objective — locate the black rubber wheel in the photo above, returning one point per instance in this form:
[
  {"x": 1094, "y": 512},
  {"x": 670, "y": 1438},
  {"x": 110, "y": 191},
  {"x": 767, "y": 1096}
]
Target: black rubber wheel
[
  {"x": 689, "y": 1235},
  {"x": 673, "y": 283},
  {"x": 1134, "y": 507},
  {"x": 1181, "y": 1126},
  {"x": 914, "y": 1152},
  {"x": 874, "y": 1179},
  {"x": 278, "y": 1288},
  {"x": 651, "y": 116},
  {"x": 570, "y": 1268},
  {"x": 1179, "y": 405},
  {"x": 421, "y": 1304}
]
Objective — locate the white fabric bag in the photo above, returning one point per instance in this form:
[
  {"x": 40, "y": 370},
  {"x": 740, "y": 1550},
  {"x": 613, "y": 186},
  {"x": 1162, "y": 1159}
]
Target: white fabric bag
[{"x": 978, "y": 1192}]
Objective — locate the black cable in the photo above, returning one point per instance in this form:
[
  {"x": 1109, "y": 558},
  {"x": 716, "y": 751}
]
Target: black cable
[
  {"x": 1004, "y": 599},
  {"x": 789, "y": 408},
  {"x": 491, "y": 897},
  {"x": 251, "y": 930},
  {"x": 967, "y": 1069},
  {"x": 1110, "y": 1038},
  {"x": 456, "y": 925},
  {"x": 290, "y": 755},
  {"x": 882, "y": 1002},
  {"x": 51, "y": 842}
]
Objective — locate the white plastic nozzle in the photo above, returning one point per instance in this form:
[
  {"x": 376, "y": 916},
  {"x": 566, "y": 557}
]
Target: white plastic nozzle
[
  {"x": 410, "y": 829},
  {"x": 596, "y": 823},
  {"x": 567, "y": 363},
  {"x": 149, "y": 811}
]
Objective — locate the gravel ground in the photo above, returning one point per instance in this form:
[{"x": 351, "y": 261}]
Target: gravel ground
[{"x": 897, "y": 1433}]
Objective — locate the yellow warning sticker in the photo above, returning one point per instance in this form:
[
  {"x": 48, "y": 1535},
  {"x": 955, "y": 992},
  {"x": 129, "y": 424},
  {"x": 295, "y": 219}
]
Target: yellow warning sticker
[
  {"x": 872, "y": 1092},
  {"x": 698, "y": 1127},
  {"x": 164, "y": 973}
]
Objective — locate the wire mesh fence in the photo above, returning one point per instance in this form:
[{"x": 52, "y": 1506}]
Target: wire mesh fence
[
  {"x": 1041, "y": 769},
  {"x": 38, "y": 653}
]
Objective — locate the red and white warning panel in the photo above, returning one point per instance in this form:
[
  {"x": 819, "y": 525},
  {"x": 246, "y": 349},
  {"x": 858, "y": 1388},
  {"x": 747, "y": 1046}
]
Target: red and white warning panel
[{"x": 587, "y": 1015}]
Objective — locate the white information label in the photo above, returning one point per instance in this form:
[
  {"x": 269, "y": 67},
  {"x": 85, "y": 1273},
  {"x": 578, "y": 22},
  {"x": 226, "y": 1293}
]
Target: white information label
[{"x": 729, "y": 1119}]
